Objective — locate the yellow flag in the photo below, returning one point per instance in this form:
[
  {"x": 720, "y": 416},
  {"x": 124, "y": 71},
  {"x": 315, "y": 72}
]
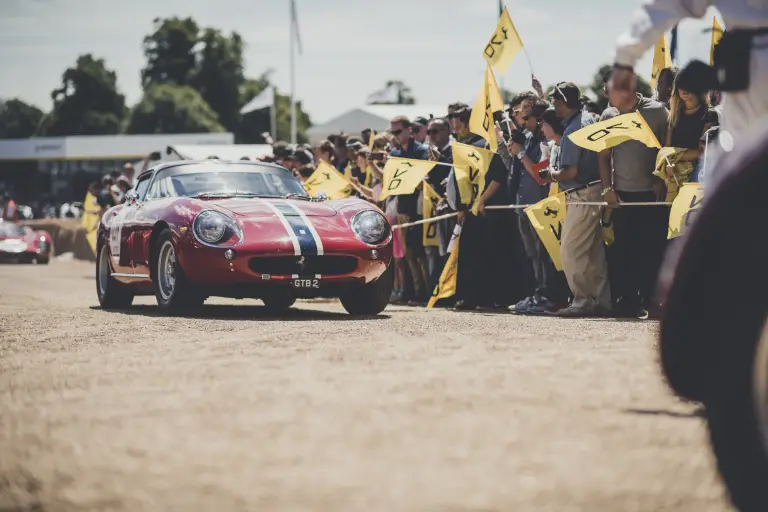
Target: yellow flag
[
  {"x": 348, "y": 171},
  {"x": 612, "y": 132},
  {"x": 661, "y": 59},
  {"x": 430, "y": 201},
  {"x": 403, "y": 175},
  {"x": 446, "y": 286},
  {"x": 327, "y": 179},
  {"x": 370, "y": 141},
  {"x": 717, "y": 35},
  {"x": 684, "y": 209},
  {"x": 90, "y": 219},
  {"x": 554, "y": 189},
  {"x": 470, "y": 165},
  {"x": 547, "y": 217},
  {"x": 488, "y": 101},
  {"x": 504, "y": 45}
]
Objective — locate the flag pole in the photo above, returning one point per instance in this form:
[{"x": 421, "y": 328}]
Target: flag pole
[
  {"x": 273, "y": 114},
  {"x": 293, "y": 79}
]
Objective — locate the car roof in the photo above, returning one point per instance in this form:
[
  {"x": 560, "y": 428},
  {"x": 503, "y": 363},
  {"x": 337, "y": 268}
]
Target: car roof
[{"x": 209, "y": 164}]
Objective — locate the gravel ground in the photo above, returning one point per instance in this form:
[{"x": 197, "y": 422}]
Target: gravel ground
[{"x": 413, "y": 410}]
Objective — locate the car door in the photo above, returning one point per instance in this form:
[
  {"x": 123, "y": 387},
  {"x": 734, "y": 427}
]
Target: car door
[
  {"x": 127, "y": 226},
  {"x": 142, "y": 222}
]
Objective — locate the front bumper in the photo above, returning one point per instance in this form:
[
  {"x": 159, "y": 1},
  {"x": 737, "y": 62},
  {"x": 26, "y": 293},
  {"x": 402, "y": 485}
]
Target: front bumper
[
  {"x": 251, "y": 271},
  {"x": 22, "y": 257}
]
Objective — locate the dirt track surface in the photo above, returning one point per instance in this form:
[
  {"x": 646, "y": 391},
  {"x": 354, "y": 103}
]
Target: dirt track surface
[{"x": 415, "y": 410}]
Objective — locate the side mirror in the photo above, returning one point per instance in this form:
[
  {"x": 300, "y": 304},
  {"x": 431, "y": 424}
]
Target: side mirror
[
  {"x": 131, "y": 196},
  {"x": 155, "y": 155}
]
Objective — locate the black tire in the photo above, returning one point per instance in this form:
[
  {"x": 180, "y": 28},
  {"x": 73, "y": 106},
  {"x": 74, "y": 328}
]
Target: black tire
[
  {"x": 371, "y": 298},
  {"x": 278, "y": 303},
  {"x": 43, "y": 261},
  {"x": 173, "y": 291},
  {"x": 111, "y": 293},
  {"x": 741, "y": 455}
]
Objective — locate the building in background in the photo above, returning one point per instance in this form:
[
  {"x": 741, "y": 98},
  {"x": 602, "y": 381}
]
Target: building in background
[
  {"x": 62, "y": 167},
  {"x": 371, "y": 116}
]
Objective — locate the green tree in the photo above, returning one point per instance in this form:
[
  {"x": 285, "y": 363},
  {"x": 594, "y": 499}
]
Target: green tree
[
  {"x": 87, "y": 103},
  {"x": 167, "y": 108},
  {"x": 643, "y": 87},
  {"x": 18, "y": 120},
  {"x": 171, "y": 52},
  {"x": 219, "y": 77}
]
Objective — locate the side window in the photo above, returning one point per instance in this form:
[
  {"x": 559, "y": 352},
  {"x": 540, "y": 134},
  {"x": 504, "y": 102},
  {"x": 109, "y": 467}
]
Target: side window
[{"x": 141, "y": 188}]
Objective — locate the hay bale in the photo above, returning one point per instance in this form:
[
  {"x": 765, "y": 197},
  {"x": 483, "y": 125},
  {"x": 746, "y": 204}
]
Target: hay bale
[{"x": 68, "y": 235}]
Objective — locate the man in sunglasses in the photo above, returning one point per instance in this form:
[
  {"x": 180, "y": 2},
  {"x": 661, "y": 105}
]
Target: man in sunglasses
[
  {"x": 405, "y": 146},
  {"x": 419, "y": 129},
  {"x": 581, "y": 247}
]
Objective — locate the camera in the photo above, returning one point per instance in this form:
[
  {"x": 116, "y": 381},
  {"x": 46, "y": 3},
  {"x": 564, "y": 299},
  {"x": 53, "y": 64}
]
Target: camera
[
  {"x": 517, "y": 136},
  {"x": 377, "y": 156},
  {"x": 545, "y": 175}
]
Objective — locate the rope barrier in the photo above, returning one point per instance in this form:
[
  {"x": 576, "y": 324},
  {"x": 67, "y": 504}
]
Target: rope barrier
[{"x": 521, "y": 206}]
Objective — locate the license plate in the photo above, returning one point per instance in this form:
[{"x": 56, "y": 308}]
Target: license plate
[{"x": 306, "y": 283}]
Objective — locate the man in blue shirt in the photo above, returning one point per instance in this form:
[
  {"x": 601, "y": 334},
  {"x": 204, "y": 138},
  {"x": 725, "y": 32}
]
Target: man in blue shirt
[
  {"x": 404, "y": 146},
  {"x": 581, "y": 247}
]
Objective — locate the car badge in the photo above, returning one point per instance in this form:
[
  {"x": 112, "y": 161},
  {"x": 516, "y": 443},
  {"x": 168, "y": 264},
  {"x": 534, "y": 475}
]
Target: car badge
[{"x": 301, "y": 263}]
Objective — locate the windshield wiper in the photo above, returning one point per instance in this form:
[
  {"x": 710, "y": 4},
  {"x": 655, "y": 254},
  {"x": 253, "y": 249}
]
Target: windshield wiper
[
  {"x": 219, "y": 195},
  {"x": 298, "y": 196}
]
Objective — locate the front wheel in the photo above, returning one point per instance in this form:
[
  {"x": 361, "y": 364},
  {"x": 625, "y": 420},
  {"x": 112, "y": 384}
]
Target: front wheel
[
  {"x": 371, "y": 298},
  {"x": 111, "y": 293},
  {"x": 278, "y": 303},
  {"x": 172, "y": 290}
]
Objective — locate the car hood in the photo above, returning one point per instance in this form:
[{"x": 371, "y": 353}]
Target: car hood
[{"x": 258, "y": 207}]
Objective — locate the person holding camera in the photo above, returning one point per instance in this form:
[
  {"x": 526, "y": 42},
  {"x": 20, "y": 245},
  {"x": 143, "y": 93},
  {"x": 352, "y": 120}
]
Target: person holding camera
[{"x": 524, "y": 153}]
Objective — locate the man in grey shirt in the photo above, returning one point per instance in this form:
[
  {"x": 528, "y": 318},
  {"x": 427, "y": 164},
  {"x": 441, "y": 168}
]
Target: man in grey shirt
[{"x": 626, "y": 174}]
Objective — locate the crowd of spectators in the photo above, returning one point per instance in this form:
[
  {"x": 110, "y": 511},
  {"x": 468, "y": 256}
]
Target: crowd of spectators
[{"x": 502, "y": 262}]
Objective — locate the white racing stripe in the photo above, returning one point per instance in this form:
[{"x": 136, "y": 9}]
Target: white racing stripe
[
  {"x": 318, "y": 241},
  {"x": 288, "y": 229}
]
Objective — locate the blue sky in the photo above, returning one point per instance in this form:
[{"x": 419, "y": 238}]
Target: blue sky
[{"x": 351, "y": 47}]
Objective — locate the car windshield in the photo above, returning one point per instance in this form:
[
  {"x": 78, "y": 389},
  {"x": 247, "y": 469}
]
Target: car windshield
[
  {"x": 257, "y": 183},
  {"x": 10, "y": 229}
]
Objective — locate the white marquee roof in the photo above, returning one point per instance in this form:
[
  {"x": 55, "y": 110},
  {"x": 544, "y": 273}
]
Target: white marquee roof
[{"x": 371, "y": 116}]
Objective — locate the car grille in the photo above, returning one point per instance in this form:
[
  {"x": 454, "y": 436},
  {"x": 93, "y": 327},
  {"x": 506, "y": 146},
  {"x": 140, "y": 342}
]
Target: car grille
[{"x": 289, "y": 265}]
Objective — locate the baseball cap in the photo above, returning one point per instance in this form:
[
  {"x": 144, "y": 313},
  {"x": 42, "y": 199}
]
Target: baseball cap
[{"x": 568, "y": 92}]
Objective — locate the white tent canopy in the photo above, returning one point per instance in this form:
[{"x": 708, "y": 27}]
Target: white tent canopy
[
  {"x": 223, "y": 152},
  {"x": 371, "y": 116}
]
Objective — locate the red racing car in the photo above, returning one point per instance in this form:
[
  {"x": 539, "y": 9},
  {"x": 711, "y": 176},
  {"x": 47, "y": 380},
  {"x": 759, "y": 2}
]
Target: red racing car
[
  {"x": 194, "y": 229},
  {"x": 22, "y": 244}
]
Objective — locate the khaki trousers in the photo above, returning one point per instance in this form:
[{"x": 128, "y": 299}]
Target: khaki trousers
[{"x": 582, "y": 251}]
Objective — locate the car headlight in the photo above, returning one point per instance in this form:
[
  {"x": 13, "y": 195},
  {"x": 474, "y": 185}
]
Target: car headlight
[
  {"x": 370, "y": 227},
  {"x": 42, "y": 244},
  {"x": 213, "y": 228}
]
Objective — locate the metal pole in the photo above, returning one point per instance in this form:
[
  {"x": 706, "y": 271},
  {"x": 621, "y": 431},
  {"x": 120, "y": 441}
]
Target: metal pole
[
  {"x": 293, "y": 81},
  {"x": 273, "y": 114}
]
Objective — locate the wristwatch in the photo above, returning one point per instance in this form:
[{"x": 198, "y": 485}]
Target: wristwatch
[
  {"x": 605, "y": 191},
  {"x": 520, "y": 155}
]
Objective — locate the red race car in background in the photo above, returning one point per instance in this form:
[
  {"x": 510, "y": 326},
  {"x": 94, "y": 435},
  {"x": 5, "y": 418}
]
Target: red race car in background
[
  {"x": 194, "y": 229},
  {"x": 22, "y": 244}
]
